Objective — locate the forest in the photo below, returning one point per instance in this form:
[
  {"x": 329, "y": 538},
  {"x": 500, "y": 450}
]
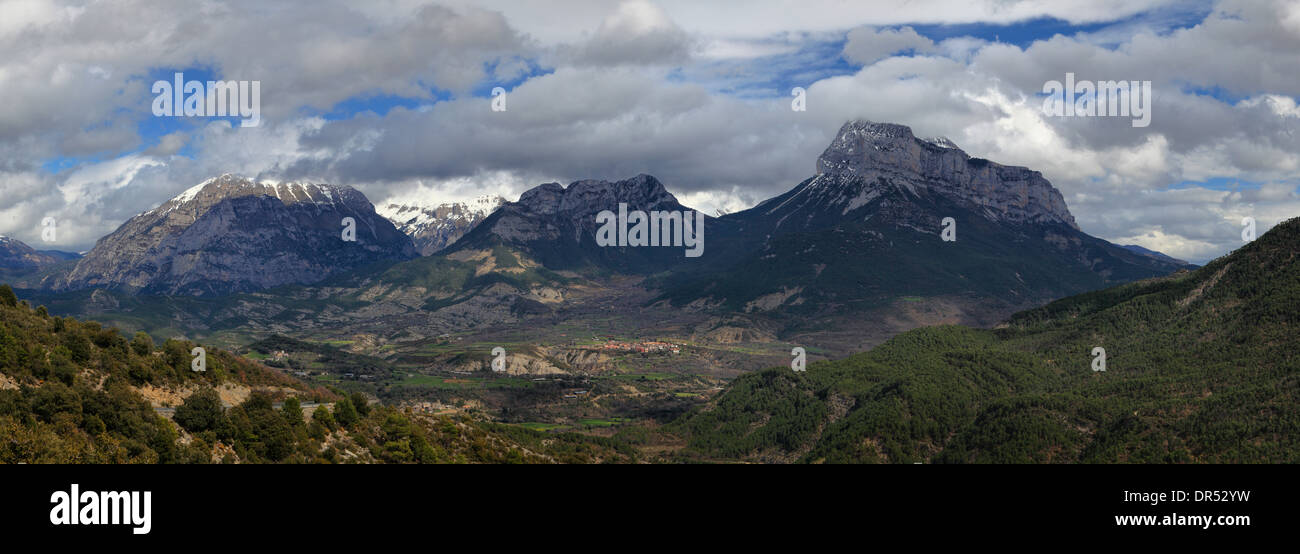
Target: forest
[
  {"x": 1201, "y": 366},
  {"x": 71, "y": 392}
]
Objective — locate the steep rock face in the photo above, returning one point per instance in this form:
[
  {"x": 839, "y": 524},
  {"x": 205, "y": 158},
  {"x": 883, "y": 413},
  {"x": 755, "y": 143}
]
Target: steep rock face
[
  {"x": 14, "y": 254},
  {"x": 433, "y": 228},
  {"x": 885, "y": 150},
  {"x": 232, "y": 234}
]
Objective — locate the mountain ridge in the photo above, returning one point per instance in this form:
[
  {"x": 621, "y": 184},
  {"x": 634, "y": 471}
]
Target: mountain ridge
[
  {"x": 15, "y": 254},
  {"x": 233, "y": 234}
]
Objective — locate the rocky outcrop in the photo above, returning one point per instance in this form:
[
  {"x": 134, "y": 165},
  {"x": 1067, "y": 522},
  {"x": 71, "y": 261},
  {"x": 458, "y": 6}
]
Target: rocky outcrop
[{"x": 232, "y": 234}]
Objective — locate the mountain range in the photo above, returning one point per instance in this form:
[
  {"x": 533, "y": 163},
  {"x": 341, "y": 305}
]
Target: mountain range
[
  {"x": 889, "y": 233},
  {"x": 864, "y": 230},
  {"x": 845, "y": 259},
  {"x": 977, "y": 303}
]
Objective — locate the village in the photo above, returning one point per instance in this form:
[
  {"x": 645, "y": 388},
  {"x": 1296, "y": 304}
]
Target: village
[{"x": 641, "y": 347}]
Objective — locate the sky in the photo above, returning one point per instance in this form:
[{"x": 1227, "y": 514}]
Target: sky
[{"x": 394, "y": 97}]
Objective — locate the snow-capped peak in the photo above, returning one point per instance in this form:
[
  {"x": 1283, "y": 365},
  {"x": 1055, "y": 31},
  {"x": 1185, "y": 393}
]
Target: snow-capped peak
[
  {"x": 435, "y": 226},
  {"x": 232, "y": 186},
  {"x": 476, "y": 208}
]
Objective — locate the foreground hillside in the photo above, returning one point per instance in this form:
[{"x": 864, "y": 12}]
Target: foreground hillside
[
  {"x": 1201, "y": 367},
  {"x": 77, "y": 392}
]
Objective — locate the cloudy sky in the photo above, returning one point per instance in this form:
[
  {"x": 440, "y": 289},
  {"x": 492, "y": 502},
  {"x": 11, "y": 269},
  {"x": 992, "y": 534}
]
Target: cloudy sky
[{"x": 394, "y": 97}]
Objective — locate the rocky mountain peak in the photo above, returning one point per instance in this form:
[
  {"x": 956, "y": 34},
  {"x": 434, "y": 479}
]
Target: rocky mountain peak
[
  {"x": 544, "y": 198},
  {"x": 228, "y": 186},
  {"x": 587, "y": 197},
  {"x": 557, "y": 224},
  {"x": 890, "y": 152},
  {"x": 234, "y": 234},
  {"x": 859, "y": 143},
  {"x": 642, "y": 192}
]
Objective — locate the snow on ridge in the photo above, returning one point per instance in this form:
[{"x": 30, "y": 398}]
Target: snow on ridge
[
  {"x": 192, "y": 192},
  {"x": 417, "y": 216},
  {"x": 288, "y": 192}
]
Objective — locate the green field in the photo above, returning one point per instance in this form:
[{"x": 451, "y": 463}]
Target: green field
[
  {"x": 461, "y": 383},
  {"x": 604, "y": 422}
]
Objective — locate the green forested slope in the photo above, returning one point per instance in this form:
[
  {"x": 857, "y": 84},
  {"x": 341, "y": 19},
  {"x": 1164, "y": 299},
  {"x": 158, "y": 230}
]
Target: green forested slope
[
  {"x": 70, "y": 392},
  {"x": 1201, "y": 367}
]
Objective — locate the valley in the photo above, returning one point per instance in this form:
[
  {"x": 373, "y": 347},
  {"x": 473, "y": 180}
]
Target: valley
[{"x": 520, "y": 319}]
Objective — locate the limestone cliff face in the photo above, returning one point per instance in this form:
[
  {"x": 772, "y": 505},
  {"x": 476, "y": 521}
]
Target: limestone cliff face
[
  {"x": 232, "y": 234},
  {"x": 890, "y": 152}
]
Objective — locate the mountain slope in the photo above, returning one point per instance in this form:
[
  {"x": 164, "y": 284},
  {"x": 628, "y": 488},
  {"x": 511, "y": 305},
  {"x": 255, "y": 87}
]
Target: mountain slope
[
  {"x": 1200, "y": 367},
  {"x": 231, "y": 234}
]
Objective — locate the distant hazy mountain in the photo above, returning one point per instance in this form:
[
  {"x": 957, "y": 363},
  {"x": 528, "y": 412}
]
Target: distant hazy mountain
[
  {"x": 231, "y": 234},
  {"x": 14, "y": 254},
  {"x": 1152, "y": 253},
  {"x": 61, "y": 255},
  {"x": 433, "y": 228}
]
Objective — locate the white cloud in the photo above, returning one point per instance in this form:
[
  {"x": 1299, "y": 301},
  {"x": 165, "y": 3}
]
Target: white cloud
[
  {"x": 866, "y": 45},
  {"x": 638, "y": 32},
  {"x": 647, "y": 87}
]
